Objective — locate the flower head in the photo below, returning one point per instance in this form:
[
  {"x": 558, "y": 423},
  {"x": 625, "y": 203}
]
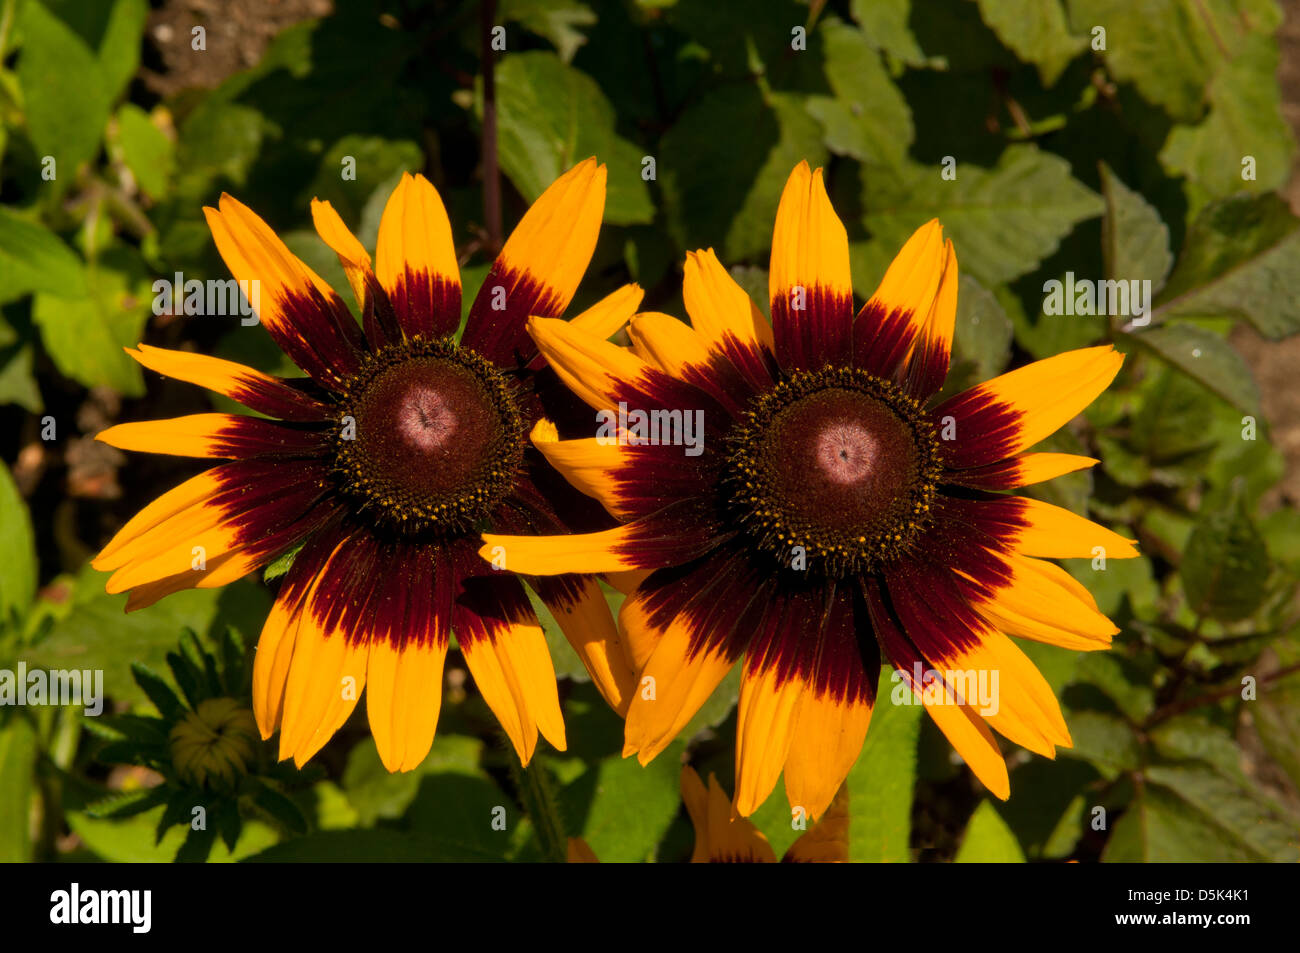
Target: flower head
[
  {"x": 836, "y": 514},
  {"x": 380, "y": 468},
  {"x": 217, "y": 742}
]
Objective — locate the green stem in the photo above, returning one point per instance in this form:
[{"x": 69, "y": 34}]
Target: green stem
[{"x": 537, "y": 793}]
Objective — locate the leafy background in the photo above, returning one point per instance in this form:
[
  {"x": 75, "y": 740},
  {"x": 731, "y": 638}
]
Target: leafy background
[{"x": 1121, "y": 162}]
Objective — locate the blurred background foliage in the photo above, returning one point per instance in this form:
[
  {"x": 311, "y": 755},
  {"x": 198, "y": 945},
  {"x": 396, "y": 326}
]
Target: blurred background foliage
[{"x": 1120, "y": 157}]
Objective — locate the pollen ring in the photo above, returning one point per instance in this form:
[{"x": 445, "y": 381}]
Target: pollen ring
[
  {"x": 835, "y": 466},
  {"x": 430, "y": 437}
]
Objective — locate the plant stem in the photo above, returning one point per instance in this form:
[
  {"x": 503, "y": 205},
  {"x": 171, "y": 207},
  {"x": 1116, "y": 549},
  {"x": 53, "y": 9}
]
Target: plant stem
[
  {"x": 491, "y": 174},
  {"x": 1190, "y": 704},
  {"x": 538, "y": 798}
]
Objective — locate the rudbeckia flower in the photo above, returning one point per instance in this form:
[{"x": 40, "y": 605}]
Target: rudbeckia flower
[
  {"x": 381, "y": 467},
  {"x": 832, "y": 515}
]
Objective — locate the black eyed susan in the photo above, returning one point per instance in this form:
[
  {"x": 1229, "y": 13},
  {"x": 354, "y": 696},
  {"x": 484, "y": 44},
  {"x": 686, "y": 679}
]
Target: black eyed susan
[
  {"x": 835, "y": 515},
  {"x": 381, "y": 468}
]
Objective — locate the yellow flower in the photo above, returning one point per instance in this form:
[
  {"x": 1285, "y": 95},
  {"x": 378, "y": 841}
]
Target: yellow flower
[
  {"x": 832, "y": 515},
  {"x": 382, "y": 465}
]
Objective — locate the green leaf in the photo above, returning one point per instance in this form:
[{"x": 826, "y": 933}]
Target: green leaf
[
  {"x": 1036, "y": 31},
  {"x": 131, "y": 840},
  {"x": 18, "y": 751},
  {"x": 1048, "y": 807},
  {"x": 1205, "y": 357},
  {"x": 550, "y": 117},
  {"x": 96, "y": 634},
  {"x": 1225, "y": 567},
  {"x": 721, "y": 197},
  {"x": 867, "y": 118},
  {"x": 622, "y": 809},
  {"x": 17, "y": 382},
  {"x": 17, "y": 552},
  {"x": 146, "y": 150},
  {"x": 885, "y": 23},
  {"x": 1244, "y": 123},
  {"x": 85, "y": 336},
  {"x": 1277, "y": 715},
  {"x": 66, "y": 92},
  {"x": 1250, "y": 824},
  {"x": 281, "y": 809},
  {"x": 128, "y": 803},
  {"x": 366, "y": 847},
  {"x": 457, "y": 803},
  {"x": 219, "y": 140},
  {"x": 1170, "y": 49},
  {"x": 1122, "y": 580},
  {"x": 988, "y": 840},
  {"x": 117, "y": 39},
  {"x": 377, "y": 163},
  {"x": 882, "y": 780},
  {"x": 281, "y": 564},
  {"x": 159, "y": 692},
  {"x": 983, "y": 332},
  {"x": 111, "y": 28},
  {"x": 1104, "y": 741},
  {"x": 1135, "y": 242},
  {"x": 741, "y": 47},
  {"x": 378, "y": 794},
  {"x": 32, "y": 258},
  {"x": 1158, "y": 827},
  {"x": 1003, "y": 221},
  {"x": 1241, "y": 259},
  {"x": 557, "y": 20}
]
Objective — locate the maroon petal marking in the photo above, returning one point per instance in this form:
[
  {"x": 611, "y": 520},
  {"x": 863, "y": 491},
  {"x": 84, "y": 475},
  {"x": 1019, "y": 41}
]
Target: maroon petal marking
[
  {"x": 755, "y": 364},
  {"x": 718, "y": 598},
  {"x": 654, "y": 390},
  {"x": 261, "y": 497},
  {"x": 426, "y": 305},
  {"x": 1002, "y": 475},
  {"x": 374, "y": 589},
  {"x": 277, "y": 397},
  {"x": 787, "y": 641},
  {"x": 985, "y": 429},
  {"x": 929, "y": 605},
  {"x": 882, "y": 340},
  {"x": 379, "y": 319},
  {"x": 486, "y": 606},
  {"x": 652, "y": 478},
  {"x": 963, "y": 539},
  {"x": 251, "y": 437},
  {"x": 501, "y": 335},
  {"x": 819, "y": 334},
  {"x": 846, "y": 665},
  {"x": 319, "y": 334},
  {"x": 895, "y": 642},
  {"x": 732, "y": 386},
  {"x": 674, "y": 535},
  {"x": 927, "y": 368}
]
